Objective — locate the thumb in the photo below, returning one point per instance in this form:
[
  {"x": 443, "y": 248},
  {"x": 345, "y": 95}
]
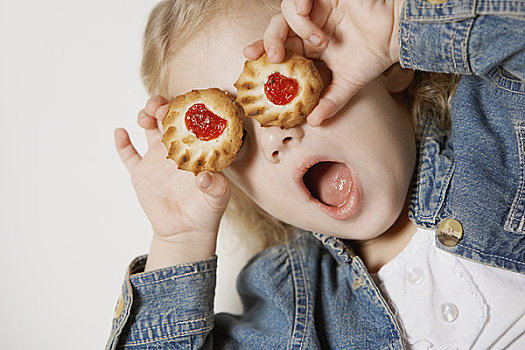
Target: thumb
[
  {"x": 335, "y": 97},
  {"x": 215, "y": 187}
]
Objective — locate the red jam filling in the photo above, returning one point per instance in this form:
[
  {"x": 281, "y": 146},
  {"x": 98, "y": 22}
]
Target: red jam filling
[
  {"x": 280, "y": 90},
  {"x": 205, "y": 124}
]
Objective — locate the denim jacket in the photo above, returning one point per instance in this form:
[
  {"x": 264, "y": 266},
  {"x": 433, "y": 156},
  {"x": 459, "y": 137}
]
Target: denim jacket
[{"x": 313, "y": 292}]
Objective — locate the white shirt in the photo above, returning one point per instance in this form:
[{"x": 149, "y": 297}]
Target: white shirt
[{"x": 445, "y": 302}]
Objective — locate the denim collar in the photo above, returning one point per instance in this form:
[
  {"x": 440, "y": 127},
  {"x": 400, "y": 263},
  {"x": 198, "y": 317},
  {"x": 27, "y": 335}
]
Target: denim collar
[{"x": 341, "y": 252}]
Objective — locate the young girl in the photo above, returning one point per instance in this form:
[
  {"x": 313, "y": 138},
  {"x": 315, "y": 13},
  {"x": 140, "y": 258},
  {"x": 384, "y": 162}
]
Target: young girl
[{"x": 356, "y": 273}]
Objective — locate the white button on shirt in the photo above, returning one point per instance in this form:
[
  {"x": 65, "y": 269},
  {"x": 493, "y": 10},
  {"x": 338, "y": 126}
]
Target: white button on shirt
[{"x": 445, "y": 302}]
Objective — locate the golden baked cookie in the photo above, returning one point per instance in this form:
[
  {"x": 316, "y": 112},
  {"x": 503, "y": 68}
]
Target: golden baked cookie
[
  {"x": 281, "y": 94},
  {"x": 203, "y": 130}
]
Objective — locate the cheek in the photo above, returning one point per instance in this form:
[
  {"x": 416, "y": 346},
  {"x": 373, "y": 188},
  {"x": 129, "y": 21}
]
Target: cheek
[
  {"x": 247, "y": 173},
  {"x": 260, "y": 183}
]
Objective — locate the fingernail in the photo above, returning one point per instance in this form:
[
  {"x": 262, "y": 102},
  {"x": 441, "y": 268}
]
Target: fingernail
[
  {"x": 206, "y": 181},
  {"x": 314, "y": 39}
]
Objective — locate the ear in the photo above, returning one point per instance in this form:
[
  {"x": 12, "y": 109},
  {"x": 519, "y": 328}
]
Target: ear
[{"x": 397, "y": 79}]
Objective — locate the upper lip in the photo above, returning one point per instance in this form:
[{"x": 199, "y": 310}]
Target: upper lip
[{"x": 306, "y": 164}]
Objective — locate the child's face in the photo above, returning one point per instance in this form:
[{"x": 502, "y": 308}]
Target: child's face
[{"x": 368, "y": 148}]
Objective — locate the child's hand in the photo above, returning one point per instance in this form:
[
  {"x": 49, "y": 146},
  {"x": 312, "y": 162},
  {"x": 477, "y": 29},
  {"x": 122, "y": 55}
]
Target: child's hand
[
  {"x": 184, "y": 210},
  {"x": 357, "y": 39}
]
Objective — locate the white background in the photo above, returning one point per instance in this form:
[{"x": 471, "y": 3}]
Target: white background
[{"x": 69, "y": 219}]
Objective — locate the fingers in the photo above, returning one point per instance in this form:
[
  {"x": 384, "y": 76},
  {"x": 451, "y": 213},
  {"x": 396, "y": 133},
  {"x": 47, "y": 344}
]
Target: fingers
[
  {"x": 254, "y": 51},
  {"x": 301, "y": 24},
  {"x": 153, "y": 104},
  {"x": 145, "y": 121},
  {"x": 289, "y": 23},
  {"x": 155, "y": 111},
  {"x": 303, "y": 7},
  {"x": 161, "y": 112},
  {"x": 216, "y": 188},
  {"x": 274, "y": 38},
  {"x": 335, "y": 97},
  {"x": 153, "y": 137},
  {"x": 150, "y": 119},
  {"x": 128, "y": 154},
  {"x": 151, "y": 127}
]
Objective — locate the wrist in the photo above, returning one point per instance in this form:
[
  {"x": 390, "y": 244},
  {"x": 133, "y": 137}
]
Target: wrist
[{"x": 186, "y": 248}]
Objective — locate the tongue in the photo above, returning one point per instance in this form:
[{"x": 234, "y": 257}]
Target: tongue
[{"x": 329, "y": 182}]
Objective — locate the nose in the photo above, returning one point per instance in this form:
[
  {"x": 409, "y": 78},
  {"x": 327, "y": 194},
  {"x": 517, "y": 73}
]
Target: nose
[{"x": 274, "y": 141}]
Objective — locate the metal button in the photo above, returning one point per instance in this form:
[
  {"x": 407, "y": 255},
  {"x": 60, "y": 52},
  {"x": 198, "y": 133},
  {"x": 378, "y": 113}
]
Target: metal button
[
  {"x": 449, "y": 312},
  {"x": 414, "y": 275},
  {"x": 437, "y": 2},
  {"x": 119, "y": 308},
  {"x": 450, "y": 232}
]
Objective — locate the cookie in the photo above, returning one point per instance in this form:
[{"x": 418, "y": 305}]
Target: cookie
[
  {"x": 281, "y": 94},
  {"x": 203, "y": 130}
]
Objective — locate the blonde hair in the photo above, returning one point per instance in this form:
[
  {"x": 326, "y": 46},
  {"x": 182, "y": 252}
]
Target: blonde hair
[
  {"x": 430, "y": 95},
  {"x": 167, "y": 29},
  {"x": 172, "y": 22}
]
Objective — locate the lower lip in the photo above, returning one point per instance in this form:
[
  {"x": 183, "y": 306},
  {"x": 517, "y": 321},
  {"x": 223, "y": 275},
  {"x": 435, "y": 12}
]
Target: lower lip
[{"x": 343, "y": 211}]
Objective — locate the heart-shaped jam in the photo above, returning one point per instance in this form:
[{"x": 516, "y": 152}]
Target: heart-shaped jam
[
  {"x": 280, "y": 90},
  {"x": 205, "y": 124}
]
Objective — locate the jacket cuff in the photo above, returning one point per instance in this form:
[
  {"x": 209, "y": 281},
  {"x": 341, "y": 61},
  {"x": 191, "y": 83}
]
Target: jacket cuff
[
  {"x": 164, "y": 304},
  {"x": 434, "y": 37}
]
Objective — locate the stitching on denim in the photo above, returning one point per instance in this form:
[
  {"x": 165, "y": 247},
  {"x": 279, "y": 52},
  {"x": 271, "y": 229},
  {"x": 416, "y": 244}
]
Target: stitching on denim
[
  {"x": 292, "y": 266},
  {"x": 453, "y": 49},
  {"x": 433, "y": 16},
  {"x": 513, "y": 214},
  {"x": 368, "y": 290},
  {"x": 491, "y": 255},
  {"x": 502, "y": 82},
  {"x": 167, "y": 337},
  {"x": 172, "y": 336},
  {"x": 119, "y": 323},
  {"x": 305, "y": 283},
  {"x": 489, "y": 8},
  {"x": 377, "y": 295},
  {"x": 426, "y": 6},
  {"x": 342, "y": 253},
  {"x": 405, "y": 51},
  {"x": 442, "y": 194},
  {"x": 519, "y": 195},
  {"x": 296, "y": 290},
  {"x": 173, "y": 277},
  {"x": 409, "y": 48},
  {"x": 464, "y": 46},
  {"x": 203, "y": 319}
]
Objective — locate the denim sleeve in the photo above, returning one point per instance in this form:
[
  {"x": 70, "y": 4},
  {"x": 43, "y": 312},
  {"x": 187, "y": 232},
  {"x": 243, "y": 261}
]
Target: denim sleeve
[
  {"x": 463, "y": 36},
  {"x": 170, "y": 308}
]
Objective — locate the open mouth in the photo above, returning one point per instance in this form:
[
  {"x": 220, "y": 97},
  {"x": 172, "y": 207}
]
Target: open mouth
[{"x": 333, "y": 187}]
